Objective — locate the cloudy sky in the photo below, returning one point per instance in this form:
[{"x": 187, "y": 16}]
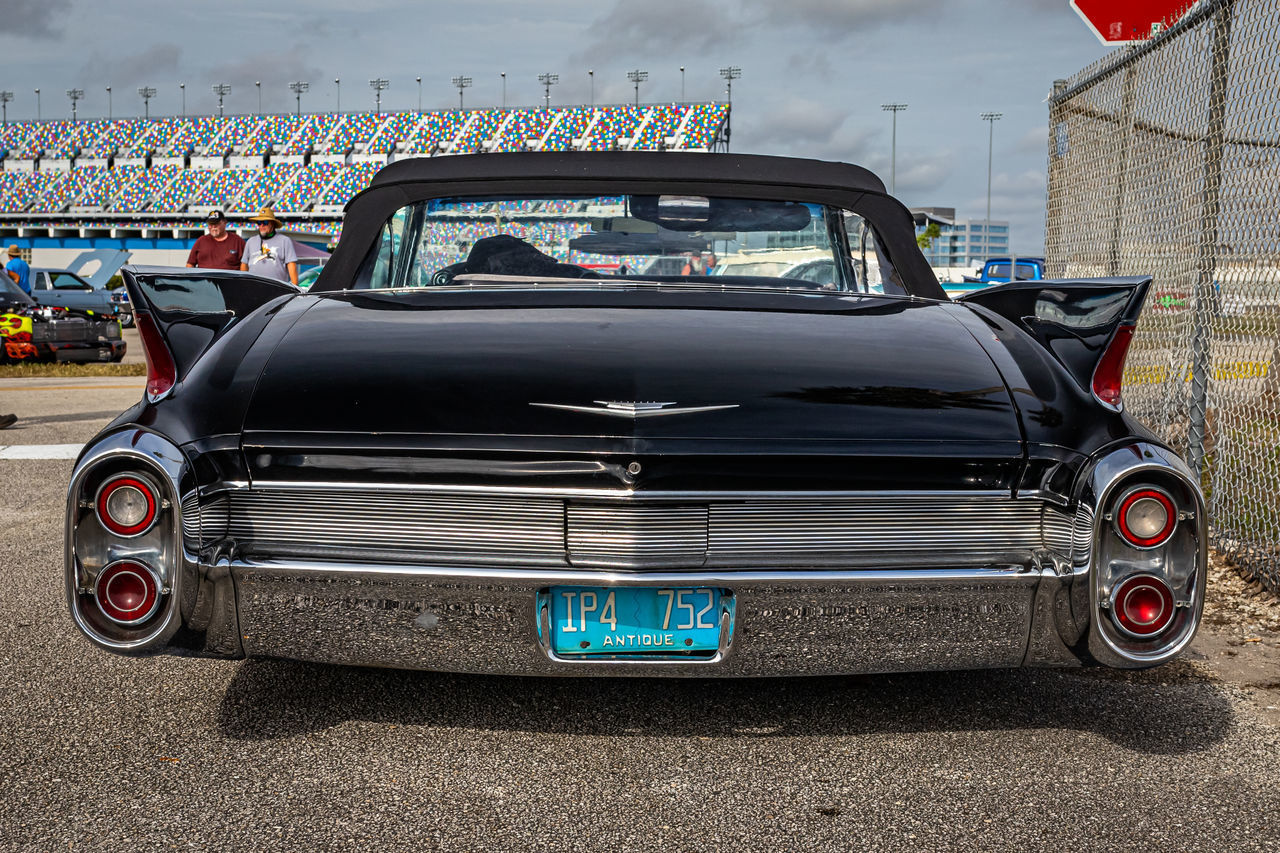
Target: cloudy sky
[{"x": 814, "y": 72}]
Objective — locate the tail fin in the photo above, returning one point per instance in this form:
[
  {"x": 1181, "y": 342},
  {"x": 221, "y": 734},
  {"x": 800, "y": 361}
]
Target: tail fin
[
  {"x": 1085, "y": 325},
  {"x": 181, "y": 312}
]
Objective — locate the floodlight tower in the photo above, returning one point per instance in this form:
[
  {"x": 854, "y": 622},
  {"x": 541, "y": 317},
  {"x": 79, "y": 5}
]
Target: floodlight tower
[
  {"x": 147, "y": 93},
  {"x": 38, "y": 116},
  {"x": 298, "y": 87},
  {"x": 419, "y": 79},
  {"x": 74, "y": 95},
  {"x": 591, "y": 75},
  {"x": 504, "y": 90},
  {"x": 378, "y": 84},
  {"x": 637, "y": 77},
  {"x": 893, "y": 145},
  {"x": 5, "y": 98},
  {"x": 461, "y": 83},
  {"x": 109, "y": 111},
  {"x": 682, "y": 84},
  {"x": 547, "y": 81},
  {"x": 183, "y": 88},
  {"x": 990, "y": 119},
  {"x": 729, "y": 73},
  {"x": 337, "y": 84},
  {"x": 221, "y": 90}
]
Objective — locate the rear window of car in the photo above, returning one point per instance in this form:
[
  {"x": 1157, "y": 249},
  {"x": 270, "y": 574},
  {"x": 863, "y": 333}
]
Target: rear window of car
[{"x": 540, "y": 241}]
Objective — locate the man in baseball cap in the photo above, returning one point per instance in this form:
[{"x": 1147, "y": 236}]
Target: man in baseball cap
[{"x": 219, "y": 249}]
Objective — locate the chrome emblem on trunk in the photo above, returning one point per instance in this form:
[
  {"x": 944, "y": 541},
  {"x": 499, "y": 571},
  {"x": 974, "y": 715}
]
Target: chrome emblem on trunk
[{"x": 633, "y": 409}]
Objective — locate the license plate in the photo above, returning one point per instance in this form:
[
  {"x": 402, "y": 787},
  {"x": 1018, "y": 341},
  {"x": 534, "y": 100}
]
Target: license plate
[{"x": 588, "y": 620}]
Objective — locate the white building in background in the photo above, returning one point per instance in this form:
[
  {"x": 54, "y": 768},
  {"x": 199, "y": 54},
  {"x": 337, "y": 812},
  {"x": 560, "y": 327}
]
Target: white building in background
[{"x": 963, "y": 242}]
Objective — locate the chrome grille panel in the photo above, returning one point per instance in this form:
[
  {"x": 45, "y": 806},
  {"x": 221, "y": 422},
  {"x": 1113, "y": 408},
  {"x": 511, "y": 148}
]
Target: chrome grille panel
[
  {"x": 881, "y": 526},
  {"x": 284, "y": 522},
  {"x": 629, "y": 531},
  {"x": 637, "y": 535}
]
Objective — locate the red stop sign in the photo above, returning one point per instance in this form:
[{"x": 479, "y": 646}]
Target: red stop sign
[{"x": 1127, "y": 21}]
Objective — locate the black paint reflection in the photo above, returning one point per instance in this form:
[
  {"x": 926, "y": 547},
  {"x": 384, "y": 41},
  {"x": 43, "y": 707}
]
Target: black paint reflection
[{"x": 896, "y": 397}]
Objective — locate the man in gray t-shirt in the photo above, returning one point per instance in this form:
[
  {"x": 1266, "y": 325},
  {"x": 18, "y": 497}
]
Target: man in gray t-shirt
[{"x": 267, "y": 253}]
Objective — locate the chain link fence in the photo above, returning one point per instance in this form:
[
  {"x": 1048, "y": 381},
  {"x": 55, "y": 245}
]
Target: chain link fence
[{"x": 1164, "y": 160}]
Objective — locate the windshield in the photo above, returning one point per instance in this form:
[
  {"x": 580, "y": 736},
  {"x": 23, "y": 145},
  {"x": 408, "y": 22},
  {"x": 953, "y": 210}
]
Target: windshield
[{"x": 675, "y": 240}]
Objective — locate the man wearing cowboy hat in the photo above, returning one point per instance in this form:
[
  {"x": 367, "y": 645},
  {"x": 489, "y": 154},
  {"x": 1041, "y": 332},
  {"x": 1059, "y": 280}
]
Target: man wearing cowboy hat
[
  {"x": 268, "y": 253},
  {"x": 18, "y": 269}
]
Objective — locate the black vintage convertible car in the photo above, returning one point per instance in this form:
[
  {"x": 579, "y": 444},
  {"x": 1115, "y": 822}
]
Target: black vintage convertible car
[{"x": 480, "y": 444}]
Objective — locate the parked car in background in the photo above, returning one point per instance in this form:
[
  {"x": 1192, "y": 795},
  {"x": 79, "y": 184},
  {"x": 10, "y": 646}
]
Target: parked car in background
[
  {"x": 59, "y": 288},
  {"x": 32, "y": 332},
  {"x": 996, "y": 271},
  {"x": 478, "y": 456}
]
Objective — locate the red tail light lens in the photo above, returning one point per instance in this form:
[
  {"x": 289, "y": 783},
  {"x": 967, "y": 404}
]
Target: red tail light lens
[
  {"x": 1146, "y": 518},
  {"x": 127, "y": 505},
  {"x": 161, "y": 372},
  {"x": 1108, "y": 374},
  {"x": 1143, "y": 606},
  {"x": 127, "y": 592}
]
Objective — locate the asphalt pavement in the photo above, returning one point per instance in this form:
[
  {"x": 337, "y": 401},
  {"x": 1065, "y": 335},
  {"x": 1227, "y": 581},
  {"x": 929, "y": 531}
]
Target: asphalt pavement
[{"x": 100, "y": 752}]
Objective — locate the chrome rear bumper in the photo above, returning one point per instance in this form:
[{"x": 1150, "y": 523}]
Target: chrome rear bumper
[{"x": 786, "y": 623}]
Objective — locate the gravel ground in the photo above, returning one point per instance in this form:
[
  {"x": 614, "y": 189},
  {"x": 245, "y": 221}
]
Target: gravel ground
[{"x": 101, "y": 752}]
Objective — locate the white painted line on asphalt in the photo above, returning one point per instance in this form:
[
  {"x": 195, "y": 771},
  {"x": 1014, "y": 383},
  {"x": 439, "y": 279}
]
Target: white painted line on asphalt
[{"x": 41, "y": 451}]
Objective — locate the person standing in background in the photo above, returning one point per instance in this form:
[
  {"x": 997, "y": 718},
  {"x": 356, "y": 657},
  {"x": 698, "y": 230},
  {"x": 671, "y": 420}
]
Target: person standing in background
[
  {"x": 18, "y": 269},
  {"x": 219, "y": 249},
  {"x": 267, "y": 253}
]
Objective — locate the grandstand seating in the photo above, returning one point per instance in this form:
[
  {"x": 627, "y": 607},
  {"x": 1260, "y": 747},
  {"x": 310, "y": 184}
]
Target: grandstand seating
[
  {"x": 225, "y": 188},
  {"x": 355, "y": 132},
  {"x": 349, "y": 182},
  {"x": 108, "y": 186},
  {"x": 316, "y": 129},
  {"x": 135, "y": 196},
  {"x": 306, "y": 187},
  {"x": 294, "y": 187},
  {"x": 181, "y": 190},
  {"x": 272, "y": 134},
  {"x": 268, "y": 186},
  {"x": 436, "y": 128}
]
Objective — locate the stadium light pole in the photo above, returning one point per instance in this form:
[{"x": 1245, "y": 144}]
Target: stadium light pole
[
  {"x": 504, "y": 89},
  {"x": 682, "y": 84},
  {"x": 461, "y": 83},
  {"x": 377, "y": 84},
  {"x": 419, "y": 79},
  {"x": 74, "y": 95},
  {"x": 990, "y": 119},
  {"x": 5, "y": 98},
  {"x": 591, "y": 75},
  {"x": 38, "y": 116},
  {"x": 298, "y": 87},
  {"x": 221, "y": 90},
  {"x": 637, "y": 77},
  {"x": 548, "y": 80},
  {"x": 337, "y": 82},
  {"x": 258, "y": 83},
  {"x": 893, "y": 145},
  {"x": 109, "y": 116},
  {"x": 183, "y": 87},
  {"x": 729, "y": 73},
  {"x": 147, "y": 93}
]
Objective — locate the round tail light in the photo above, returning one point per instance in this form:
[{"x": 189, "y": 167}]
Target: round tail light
[
  {"x": 127, "y": 505},
  {"x": 1146, "y": 518},
  {"x": 127, "y": 592},
  {"x": 1143, "y": 605}
]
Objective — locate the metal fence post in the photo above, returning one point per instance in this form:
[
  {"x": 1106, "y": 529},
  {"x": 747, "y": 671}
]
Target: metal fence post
[
  {"x": 1205, "y": 297},
  {"x": 1122, "y": 170}
]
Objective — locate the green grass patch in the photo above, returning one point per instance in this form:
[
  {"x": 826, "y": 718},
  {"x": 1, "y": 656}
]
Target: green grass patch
[{"x": 19, "y": 371}]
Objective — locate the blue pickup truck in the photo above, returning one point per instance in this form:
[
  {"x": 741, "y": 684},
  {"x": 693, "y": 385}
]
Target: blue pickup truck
[{"x": 996, "y": 271}]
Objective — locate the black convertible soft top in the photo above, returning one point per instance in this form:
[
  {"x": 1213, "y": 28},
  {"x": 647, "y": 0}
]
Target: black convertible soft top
[{"x": 616, "y": 173}]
